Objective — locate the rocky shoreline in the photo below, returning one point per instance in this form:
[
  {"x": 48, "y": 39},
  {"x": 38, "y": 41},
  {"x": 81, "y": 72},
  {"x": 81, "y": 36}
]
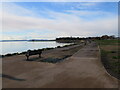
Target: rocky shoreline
[{"x": 24, "y": 52}]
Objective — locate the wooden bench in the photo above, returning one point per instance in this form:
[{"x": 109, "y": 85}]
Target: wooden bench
[{"x": 34, "y": 52}]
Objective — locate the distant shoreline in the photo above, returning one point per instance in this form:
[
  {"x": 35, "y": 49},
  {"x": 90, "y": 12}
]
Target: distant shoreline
[{"x": 33, "y": 40}]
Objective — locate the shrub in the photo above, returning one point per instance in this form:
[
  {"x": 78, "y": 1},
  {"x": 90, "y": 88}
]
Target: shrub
[
  {"x": 112, "y": 51},
  {"x": 58, "y": 47},
  {"x": 116, "y": 57}
]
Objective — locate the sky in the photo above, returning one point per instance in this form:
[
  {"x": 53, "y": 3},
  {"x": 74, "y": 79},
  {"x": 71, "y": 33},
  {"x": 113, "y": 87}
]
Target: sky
[{"x": 49, "y": 20}]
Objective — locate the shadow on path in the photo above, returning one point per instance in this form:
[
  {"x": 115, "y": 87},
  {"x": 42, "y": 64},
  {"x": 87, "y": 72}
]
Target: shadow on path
[
  {"x": 11, "y": 77},
  {"x": 33, "y": 59}
]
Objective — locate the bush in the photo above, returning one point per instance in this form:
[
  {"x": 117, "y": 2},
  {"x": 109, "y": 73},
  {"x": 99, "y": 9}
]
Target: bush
[
  {"x": 116, "y": 57},
  {"x": 8, "y": 55},
  {"x": 58, "y": 47},
  {"x": 112, "y": 51}
]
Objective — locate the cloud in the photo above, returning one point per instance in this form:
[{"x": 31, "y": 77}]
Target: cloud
[
  {"x": 12, "y": 8},
  {"x": 62, "y": 24},
  {"x": 93, "y": 14},
  {"x": 85, "y": 5}
]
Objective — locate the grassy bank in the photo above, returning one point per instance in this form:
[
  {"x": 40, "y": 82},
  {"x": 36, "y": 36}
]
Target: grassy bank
[{"x": 110, "y": 56}]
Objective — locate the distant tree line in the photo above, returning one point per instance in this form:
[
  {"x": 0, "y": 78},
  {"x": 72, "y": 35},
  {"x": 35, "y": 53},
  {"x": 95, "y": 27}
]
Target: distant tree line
[
  {"x": 76, "y": 39},
  {"x": 69, "y": 39}
]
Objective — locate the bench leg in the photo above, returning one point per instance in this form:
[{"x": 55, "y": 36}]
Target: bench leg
[
  {"x": 39, "y": 55},
  {"x": 27, "y": 58}
]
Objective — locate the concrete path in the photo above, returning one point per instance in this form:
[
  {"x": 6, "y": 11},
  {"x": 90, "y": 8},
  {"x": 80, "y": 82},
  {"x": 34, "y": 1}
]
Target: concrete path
[{"x": 82, "y": 70}]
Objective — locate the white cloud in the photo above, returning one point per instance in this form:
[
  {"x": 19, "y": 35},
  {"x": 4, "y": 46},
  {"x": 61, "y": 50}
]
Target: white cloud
[
  {"x": 16, "y": 10},
  {"x": 90, "y": 13},
  {"x": 62, "y": 24},
  {"x": 85, "y": 5}
]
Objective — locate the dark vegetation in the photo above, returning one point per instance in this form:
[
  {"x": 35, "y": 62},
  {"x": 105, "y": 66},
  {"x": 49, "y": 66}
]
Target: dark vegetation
[
  {"x": 55, "y": 60},
  {"x": 57, "y": 57},
  {"x": 69, "y": 39},
  {"x": 110, "y": 56},
  {"x": 77, "y": 39}
]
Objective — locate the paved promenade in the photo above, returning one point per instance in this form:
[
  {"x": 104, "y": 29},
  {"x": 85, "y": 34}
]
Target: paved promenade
[{"x": 82, "y": 70}]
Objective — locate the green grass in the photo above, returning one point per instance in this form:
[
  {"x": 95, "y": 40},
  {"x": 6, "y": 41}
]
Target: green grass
[
  {"x": 103, "y": 52},
  {"x": 110, "y": 57},
  {"x": 108, "y": 42}
]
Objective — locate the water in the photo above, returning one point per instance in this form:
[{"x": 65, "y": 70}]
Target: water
[{"x": 21, "y": 46}]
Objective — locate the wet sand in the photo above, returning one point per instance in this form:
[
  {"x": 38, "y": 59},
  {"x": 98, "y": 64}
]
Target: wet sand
[{"x": 82, "y": 70}]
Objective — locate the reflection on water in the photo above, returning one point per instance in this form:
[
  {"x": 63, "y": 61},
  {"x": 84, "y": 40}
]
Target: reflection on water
[{"x": 14, "y": 47}]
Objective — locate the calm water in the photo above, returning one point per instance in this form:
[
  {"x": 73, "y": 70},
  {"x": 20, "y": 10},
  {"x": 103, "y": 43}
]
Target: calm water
[{"x": 20, "y": 46}]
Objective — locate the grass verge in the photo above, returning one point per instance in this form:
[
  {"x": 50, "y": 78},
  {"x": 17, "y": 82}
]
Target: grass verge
[{"x": 110, "y": 56}]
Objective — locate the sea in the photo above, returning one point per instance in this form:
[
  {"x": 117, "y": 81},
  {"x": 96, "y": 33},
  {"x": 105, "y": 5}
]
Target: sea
[{"x": 21, "y": 46}]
